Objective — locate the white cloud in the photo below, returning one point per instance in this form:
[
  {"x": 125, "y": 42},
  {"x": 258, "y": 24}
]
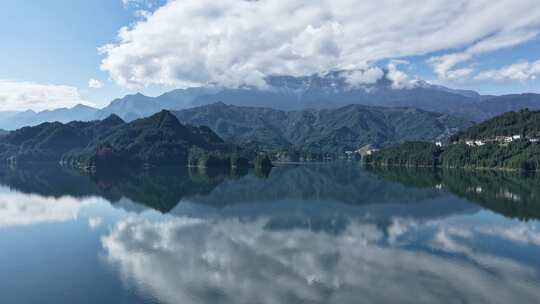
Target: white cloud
[
  {"x": 359, "y": 77},
  {"x": 232, "y": 42},
  {"x": 443, "y": 64},
  {"x": 95, "y": 84},
  {"x": 400, "y": 80},
  {"x": 95, "y": 222},
  {"x": 521, "y": 71},
  {"x": 23, "y": 95},
  {"x": 458, "y": 74},
  {"x": 503, "y": 34}
]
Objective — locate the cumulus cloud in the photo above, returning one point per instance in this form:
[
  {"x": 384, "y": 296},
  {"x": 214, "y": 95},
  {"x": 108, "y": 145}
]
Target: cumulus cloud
[
  {"x": 234, "y": 42},
  {"x": 399, "y": 79},
  {"x": 188, "y": 260},
  {"x": 95, "y": 84},
  {"x": 23, "y": 95},
  {"x": 358, "y": 77},
  {"x": 520, "y": 71}
]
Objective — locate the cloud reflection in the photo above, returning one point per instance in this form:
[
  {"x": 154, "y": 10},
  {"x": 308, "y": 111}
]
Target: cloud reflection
[
  {"x": 187, "y": 260},
  {"x": 20, "y": 209}
]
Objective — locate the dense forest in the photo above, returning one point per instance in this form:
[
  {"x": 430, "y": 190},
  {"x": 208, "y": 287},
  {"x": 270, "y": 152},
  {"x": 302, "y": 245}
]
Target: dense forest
[
  {"x": 520, "y": 154},
  {"x": 312, "y": 133},
  {"x": 156, "y": 140}
]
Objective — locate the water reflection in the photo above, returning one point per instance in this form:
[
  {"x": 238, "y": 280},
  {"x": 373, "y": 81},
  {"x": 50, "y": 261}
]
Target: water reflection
[
  {"x": 230, "y": 261},
  {"x": 19, "y": 209},
  {"x": 512, "y": 194},
  {"x": 333, "y": 233}
]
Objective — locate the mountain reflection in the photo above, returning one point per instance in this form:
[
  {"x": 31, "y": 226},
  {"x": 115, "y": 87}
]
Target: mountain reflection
[
  {"x": 511, "y": 194},
  {"x": 330, "y": 233},
  {"x": 309, "y": 189},
  {"x": 159, "y": 189}
]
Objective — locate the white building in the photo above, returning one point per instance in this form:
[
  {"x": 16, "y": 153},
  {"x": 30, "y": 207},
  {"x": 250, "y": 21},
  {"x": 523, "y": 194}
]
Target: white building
[{"x": 479, "y": 143}]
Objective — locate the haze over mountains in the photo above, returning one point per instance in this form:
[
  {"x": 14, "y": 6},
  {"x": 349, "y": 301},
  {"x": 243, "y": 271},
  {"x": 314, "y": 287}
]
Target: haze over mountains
[{"x": 331, "y": 90}]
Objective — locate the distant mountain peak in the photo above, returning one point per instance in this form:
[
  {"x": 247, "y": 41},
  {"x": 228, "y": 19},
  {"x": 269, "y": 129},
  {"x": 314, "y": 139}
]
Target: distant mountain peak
[
  {"x": 113, "y": 119},
  {"x": 164, "y": 113},
  {"x": 80, "y": 106},
  {"x": 219, "y": 104}
]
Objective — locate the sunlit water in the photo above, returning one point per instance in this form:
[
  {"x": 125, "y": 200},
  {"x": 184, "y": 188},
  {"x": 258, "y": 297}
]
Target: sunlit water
[{"x": 330, "y": 233}]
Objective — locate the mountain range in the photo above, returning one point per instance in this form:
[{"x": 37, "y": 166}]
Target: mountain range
[
  {"x": 221, "y": 131},
  {"x": 331, "y": 90},
  {"x": 327, "y": 130}
]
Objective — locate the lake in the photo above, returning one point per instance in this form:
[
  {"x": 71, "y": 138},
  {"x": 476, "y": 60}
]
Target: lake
[{"x": 318, "y": 233}]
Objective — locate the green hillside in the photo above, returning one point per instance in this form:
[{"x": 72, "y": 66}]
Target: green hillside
[
  {"x": 525, "y": 123},
  {"x": 329, "y": 130},
  {"x": 509, "y": 141},
  {"x": 158, "y": 139}
]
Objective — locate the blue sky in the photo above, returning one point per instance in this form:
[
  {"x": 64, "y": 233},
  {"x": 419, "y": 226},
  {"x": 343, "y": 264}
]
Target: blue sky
[
  {"x": 55, "y": 42},
  {"x": 50, "y": 47}
]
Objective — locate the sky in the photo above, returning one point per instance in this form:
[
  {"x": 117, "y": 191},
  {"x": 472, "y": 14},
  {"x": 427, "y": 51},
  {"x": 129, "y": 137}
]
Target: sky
[{"x": 58, "y": 53}]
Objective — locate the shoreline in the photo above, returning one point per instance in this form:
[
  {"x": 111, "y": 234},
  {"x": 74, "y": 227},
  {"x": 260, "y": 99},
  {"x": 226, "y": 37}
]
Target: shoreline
[{"x": 469, "y": 168}]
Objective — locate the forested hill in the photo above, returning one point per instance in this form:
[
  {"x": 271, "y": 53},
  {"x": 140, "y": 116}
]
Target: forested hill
[
  {"x": 158, "y": 139},
  {"x": 525, "y": 123},
  {"x": 518, "y": 155},
  {"x": 510, "y": 141},
  {"x": 327, "y": 130}
]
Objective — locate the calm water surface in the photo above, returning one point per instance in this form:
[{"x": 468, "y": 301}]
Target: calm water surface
[{"x": 330, "y": 233}]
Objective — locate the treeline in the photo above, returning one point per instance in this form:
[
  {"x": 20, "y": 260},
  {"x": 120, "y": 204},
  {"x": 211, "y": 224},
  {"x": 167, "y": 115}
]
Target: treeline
[
  {"x": 235, "y": 159},
  {"x": 518, "y": 155},
  {"x": 297, "y": 154},
  {"x": 409, "y": 154}
]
